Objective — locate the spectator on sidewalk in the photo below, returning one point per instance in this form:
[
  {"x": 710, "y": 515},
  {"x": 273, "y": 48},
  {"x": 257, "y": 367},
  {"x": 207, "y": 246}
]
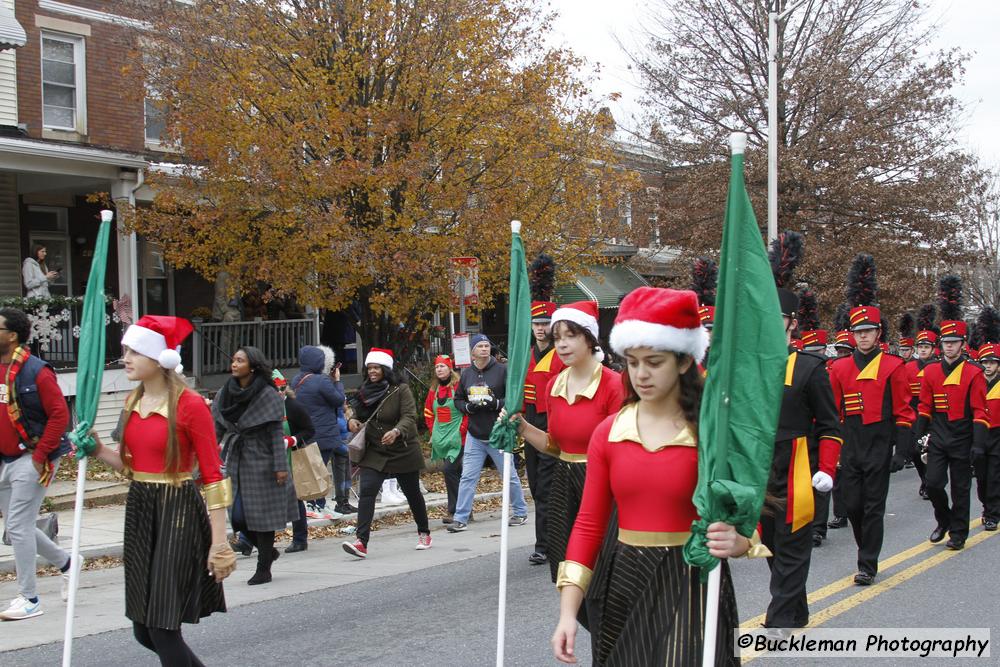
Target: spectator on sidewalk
[
  {"x": 32, "y": 426},
  {"x": 481, "y": 390},
  {"x": 321, "y": 395},
  {"x": 446, "y": 429},
  {"x": 391, "y": 447},
  {"x": 248, "y": 421},
  {"x": 341, "y": 457},
  {"x": 299, "y": 431}
]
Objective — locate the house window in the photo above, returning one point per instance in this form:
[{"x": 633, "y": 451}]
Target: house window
[
  {"x": 156, "y": 123},
  {"x": 63, "y": 83}
]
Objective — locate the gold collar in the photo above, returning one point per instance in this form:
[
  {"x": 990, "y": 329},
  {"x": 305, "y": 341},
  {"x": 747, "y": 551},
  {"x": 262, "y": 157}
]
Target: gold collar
[
  {"x": 626, "y": 428},
  {"x": 560, "y": 387},
  {"x": 161, "y": 409}
]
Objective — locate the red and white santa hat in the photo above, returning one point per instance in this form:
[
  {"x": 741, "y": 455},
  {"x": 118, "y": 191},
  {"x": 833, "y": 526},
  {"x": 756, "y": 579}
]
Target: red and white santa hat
[
  {"x": 661, "y": 319},
  {"x": 158, "y": 337},
  {"x": 583, "y": 313},
  {"x": 377, "y": 355}
]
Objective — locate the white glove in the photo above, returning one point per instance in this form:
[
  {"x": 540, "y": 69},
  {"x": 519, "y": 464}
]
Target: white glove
[{"x": 822, "y": 482}]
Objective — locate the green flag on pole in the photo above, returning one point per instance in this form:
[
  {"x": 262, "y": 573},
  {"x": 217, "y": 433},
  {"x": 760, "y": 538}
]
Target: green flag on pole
[
  {"x": 743, "y": 389},
  {"x": 90, "y": 369},
  {"x": 504, "y": 435}
]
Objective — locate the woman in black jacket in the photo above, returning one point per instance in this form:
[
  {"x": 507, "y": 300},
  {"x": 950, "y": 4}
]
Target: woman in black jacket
[{"x": 299, "y": 432}]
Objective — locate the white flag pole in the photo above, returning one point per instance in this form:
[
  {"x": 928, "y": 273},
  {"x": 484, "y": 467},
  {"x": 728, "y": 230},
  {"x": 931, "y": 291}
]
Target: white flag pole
[
  {"x": 504, "y": 534},
  {"x": 712, "y": 616},
  {"x": 74, "y": 569}
]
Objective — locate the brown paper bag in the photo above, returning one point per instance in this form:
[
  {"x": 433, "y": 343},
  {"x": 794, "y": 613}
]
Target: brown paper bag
[{"x": 311, "y": 477}]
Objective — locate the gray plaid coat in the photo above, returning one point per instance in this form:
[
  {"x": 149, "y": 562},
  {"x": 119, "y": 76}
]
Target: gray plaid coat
[{"x": 254, "y": 450}]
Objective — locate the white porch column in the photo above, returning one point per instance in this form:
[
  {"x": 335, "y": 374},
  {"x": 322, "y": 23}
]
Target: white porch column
[{"x": 123, "y": 194}]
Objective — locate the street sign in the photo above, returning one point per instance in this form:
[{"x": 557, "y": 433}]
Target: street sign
[{"x": 464, "y": 272}]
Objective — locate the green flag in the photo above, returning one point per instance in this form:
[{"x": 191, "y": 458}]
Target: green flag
[
  {"x": 90, "y": 369},
  {"x": 743, "y": 390},
  {"x": 504, "y": 435}
]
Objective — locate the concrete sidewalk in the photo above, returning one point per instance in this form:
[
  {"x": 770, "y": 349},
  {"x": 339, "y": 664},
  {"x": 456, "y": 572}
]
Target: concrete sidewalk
[
  {"x": 101, "y": 597},
  {"x": 103, "y": 528}
]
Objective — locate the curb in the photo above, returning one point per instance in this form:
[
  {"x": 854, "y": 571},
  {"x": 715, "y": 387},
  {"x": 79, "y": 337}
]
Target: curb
[{"x": 114, "y": 550}]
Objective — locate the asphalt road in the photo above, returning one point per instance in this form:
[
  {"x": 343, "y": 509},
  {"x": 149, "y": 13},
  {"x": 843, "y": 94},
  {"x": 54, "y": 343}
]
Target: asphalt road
[{"x": 446, "y": 614}]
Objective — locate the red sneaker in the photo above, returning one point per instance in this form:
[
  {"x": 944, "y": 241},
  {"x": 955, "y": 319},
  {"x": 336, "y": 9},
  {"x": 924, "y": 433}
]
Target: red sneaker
[
  {"x": 423, "y": 541},
  {"x": 356, "y": 548}
]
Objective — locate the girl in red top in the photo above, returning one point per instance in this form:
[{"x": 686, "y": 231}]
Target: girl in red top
[
  {"x": 578, "y": 400},
  {"x": 644, "y": 603},
  {"x": 446, "y": 429},
  {"x": 175, "y": 552}
]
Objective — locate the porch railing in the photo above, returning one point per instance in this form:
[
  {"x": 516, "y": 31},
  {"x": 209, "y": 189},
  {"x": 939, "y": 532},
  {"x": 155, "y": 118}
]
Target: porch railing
[
  {"x": 60, "y": 343},
  {"x": 214, "y": 342}
]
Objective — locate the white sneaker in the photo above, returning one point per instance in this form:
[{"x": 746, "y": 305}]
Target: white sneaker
[
  {"x": 78, "y": 566},
  {"x": 21, "y": 608},
  {"x": 329, "y": 514}
]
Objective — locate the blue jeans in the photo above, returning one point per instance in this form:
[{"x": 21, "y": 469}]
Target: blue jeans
[{"x": 473, "y": 458}]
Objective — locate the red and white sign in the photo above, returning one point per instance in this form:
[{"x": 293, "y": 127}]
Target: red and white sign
[{"x": 467, "y": 268}]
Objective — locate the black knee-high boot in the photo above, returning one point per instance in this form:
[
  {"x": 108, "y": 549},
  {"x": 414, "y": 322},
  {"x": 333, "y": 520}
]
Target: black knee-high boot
[{"x": 266, "y": 554}]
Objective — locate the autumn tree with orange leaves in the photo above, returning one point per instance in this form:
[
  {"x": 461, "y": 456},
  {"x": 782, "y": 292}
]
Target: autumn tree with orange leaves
[{"x": 344, "y": 151}]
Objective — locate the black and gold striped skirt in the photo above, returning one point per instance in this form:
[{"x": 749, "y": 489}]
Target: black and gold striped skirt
[
  {"x": 646, "y": 607},
  {"x": 167, "y": 538},
  {"x": 565, "y": 495}
]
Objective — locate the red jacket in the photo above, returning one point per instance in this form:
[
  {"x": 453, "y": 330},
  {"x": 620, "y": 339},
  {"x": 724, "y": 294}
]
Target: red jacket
[
  {"x": 862, "y": 392},
  {"x": 540, "y": 373},
  {"x": 949, "y": 394},
  {"x": 993, "y": 402}
]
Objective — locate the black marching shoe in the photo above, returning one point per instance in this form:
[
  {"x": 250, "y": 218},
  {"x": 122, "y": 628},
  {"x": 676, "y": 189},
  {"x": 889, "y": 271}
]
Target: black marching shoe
[
  {"x": 838, "y": 522},
  {"x": 817, "y": 540},
  {"x": 989, "y": 524},
  {"x": 538, "y": 558},
  {"x": 864, "y": 579},
  {"x": 955, "y": 545},
  {"x": 923, "y": 493},
  {"x": 938, "y": 534},
  {"x": 295, "y": 547},
  {"x": 260, "y": 577}
]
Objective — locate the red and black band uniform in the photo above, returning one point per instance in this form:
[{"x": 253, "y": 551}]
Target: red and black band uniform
[
  {"x": 988, "y": 465},
  {"x": 544, "y": 366},
  {"x": 953, "y": 410},
  {"x": 167, "y": 531},
  {"x": 644, "y": 602},
  {"x": 807, "y": 441},
  {"x": 873, "y": 398},
  {"x": 572, "y": 422},
  {"x": 914, "y": 376}
]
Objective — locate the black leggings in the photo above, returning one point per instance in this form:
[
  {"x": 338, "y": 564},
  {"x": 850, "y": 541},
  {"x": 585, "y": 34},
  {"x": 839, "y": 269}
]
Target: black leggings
[
  {"x": 168, "y": 645},
  {"x": 371, "y": 482}
]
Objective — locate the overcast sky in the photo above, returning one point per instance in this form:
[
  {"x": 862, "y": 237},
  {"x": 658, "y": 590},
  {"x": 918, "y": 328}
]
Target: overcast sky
[{"x": 589, "y": 27}]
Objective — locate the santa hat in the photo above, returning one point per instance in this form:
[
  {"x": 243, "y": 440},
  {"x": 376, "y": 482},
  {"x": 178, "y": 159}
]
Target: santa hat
[
  {"x": 662, "y": 319},
  {"x": 377, "y": 355},
  {"x": 583, "y": 313},
  {"x": 158, "y": 337}
]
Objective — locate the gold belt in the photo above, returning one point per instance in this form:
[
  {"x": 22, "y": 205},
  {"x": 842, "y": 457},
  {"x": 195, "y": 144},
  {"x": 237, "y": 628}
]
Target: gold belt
[
  {"x": 161, "y": 477},
  {"x": 652, "y": 538},
  {"x": 570, "y": 457}
]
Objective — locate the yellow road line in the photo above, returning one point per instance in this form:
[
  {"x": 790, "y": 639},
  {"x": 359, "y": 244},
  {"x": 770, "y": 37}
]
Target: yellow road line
[
  {"x": 848, "y": 581},
  {"x": 869, "y": 592}
]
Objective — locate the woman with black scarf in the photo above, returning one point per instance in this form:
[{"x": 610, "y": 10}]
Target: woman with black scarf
[
  {"x": 248, "y": 422},
  {"x": 392, "y": 448}
]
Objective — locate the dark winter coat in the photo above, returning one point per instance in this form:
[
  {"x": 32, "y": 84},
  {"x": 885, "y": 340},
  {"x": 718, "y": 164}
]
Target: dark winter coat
[
  {"x": 255, "y": 451},
  {"x": 320, "y": 396},
  {"x": 397, "y": 410},
  {"x": 480, "y": 395}
]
